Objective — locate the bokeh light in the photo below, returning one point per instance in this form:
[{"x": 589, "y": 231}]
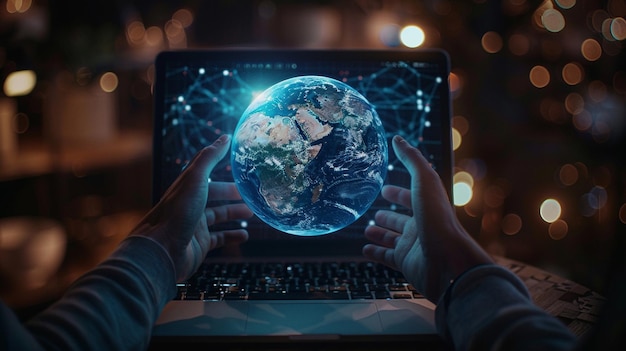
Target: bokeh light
[
  {"x": 572, "y": 73},
  {"x": 565, "y": 4},
  {"x": 618, "y": 28},
  {"x": 568, "y": 174},
  {"x": 456, "y": 139},
  {"x": 591, "y": 49},
  {"x": 597, "y": 91},
  {"x": 135, "y": 33},
  {"x": 462, "y": 193},
  {"x": 412, "y": 36},
  {"x": 622, "y": 213},
  {"x": 154, "y": 36},
  {"x": 597, "y": 197},
  {"x": 464, "y": 177},
  {"x": 456, "y": 84},
  {"x": 20, "y": 83},
  {"x": 558, "y": 229},
  {"x": 553, "y": 20},
  {"x": 184, "y": 17},
  {"x": 511, "y": 224},
  {"x": 109, "y": 82},
  {"x": 175, "y": 33},
  {"x": 491, "y": 42},
  {"x": 461, "y": 124},
  {"x": 582, "y": 120},
  {"x": 574, "y": 103},
  {"x": 18, "y": 6},
  {"x": 550, "y": 210},
  {"x": 539, "y": 76},
  {"x": 519, "y": 44}
]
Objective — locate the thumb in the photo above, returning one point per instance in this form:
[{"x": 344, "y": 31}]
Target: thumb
[
  {"x": 410, "y": 156},
  {"x": 202, "y": 165},
  {"x": 190, "y": 191}
]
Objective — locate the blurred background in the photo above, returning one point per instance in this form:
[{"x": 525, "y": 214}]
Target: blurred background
[{"x": 539, "y": 110}]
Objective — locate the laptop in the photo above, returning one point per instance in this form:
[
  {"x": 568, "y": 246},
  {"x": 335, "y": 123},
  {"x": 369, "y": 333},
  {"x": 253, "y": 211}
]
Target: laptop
[{"x": 308, "y": 288}]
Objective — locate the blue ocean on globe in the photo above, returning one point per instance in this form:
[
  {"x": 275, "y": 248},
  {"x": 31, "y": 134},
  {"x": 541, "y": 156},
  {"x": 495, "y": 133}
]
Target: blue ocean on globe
[{"x": 309, "y": 155}]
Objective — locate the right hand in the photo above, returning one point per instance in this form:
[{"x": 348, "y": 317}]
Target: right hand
[{"x": 430, "y": 248}]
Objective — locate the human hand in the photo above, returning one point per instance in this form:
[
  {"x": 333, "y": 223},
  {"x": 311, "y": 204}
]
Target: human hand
[
  {"x": 180, "y": 221},
  {"x": 430, "y": 248}
]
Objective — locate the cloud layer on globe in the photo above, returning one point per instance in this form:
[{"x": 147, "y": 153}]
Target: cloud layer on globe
[{"x": 309, "y": 155}]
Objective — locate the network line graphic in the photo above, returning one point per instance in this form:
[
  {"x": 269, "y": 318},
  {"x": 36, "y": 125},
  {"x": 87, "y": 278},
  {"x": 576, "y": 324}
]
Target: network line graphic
[{"x": 202, "y": 103}]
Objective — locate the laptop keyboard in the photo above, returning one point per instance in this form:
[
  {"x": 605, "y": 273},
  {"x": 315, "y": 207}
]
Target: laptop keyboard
[{"x": 296, "y": 281}]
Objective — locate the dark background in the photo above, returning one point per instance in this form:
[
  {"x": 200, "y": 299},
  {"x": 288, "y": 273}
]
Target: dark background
[{"x": 516, "y": 137}]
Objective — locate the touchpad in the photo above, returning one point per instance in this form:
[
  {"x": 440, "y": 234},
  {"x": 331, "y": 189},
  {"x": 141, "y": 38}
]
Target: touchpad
[{"x": 293, "y": 318}]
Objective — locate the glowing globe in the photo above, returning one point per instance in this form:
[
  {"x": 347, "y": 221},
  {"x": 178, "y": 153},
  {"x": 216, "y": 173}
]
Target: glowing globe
[{"x": 309, "y": 155}]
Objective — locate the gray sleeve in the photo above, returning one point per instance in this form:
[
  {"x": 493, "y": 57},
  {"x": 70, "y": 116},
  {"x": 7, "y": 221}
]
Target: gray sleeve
[
  {"x": 489, "y": 308},
  {"x": 112, "y": 307}
]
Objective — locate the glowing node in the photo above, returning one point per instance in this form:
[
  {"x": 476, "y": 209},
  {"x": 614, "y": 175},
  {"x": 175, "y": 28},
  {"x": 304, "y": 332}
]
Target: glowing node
[
  {"x": 201, "y": 71},
  {"x": 244, "y": 224},
  {"x": 390, "y": 167},
  {"x": 225, "y": 73}
]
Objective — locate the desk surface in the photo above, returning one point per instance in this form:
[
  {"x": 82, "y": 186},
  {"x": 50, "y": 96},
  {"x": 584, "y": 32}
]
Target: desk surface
[{"x": 573, "y": 304}]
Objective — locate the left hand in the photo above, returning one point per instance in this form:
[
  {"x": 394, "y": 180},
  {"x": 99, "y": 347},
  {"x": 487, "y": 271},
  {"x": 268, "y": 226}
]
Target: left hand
[{"x": 180, "y": 221}]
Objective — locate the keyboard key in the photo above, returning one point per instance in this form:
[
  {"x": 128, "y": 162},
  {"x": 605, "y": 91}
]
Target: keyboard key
[
  {"x": 318, "y": 295},
  {"x": 361, "y": 295}
]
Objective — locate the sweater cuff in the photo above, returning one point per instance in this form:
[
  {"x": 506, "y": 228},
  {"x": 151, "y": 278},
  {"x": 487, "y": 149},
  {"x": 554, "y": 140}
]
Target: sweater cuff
[
  {"x": 467, "y": 281},
  {"x": 154, "y": 260}
]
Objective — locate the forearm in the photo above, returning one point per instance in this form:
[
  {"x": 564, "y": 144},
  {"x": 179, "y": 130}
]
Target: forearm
[
  {"x": 488, "y": 308},
  {"x": 114, "y": 306}
]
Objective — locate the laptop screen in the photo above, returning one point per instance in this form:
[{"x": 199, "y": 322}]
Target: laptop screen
[{"x": 202, "y": 94}]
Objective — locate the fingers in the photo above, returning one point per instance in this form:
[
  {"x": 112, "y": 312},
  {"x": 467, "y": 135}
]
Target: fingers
[
  {"x": 223, "y": 191},
  {"x": 397, "y": 195},
  {"x": 228, "y": 237},
  {"x": 381, "y": 236},
  {"x": 380, "y": 254},
  {"x": 195, "y": 177},
  {"x": 410, "y": 157},
  {"x": 225, "y": 213},
  {"x": 417, "y": 165},
  {"x": 391, "y": 220},
  {"x": 204, "y": 162}
]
